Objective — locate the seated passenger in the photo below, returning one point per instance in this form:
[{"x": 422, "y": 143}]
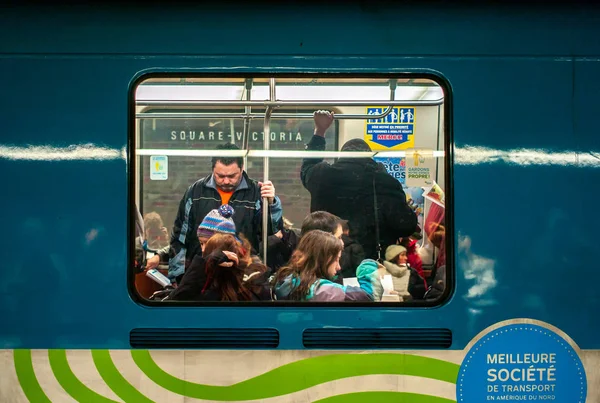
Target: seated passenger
[
  {"x": 416, "y": 278},
  {"x": 435, "y": 230},
  {"x": 157, "y": 239},
  {"x": 281, "y": 248},
  {"x": 152, "y": 239},
  {"x": 217, "y": 221},
  {"x": 281, "y": 245},
  {"x": 353, "y": 253},
  {"x": 314, "y": 264},
  {"x": 224, "y": 272},
  {"x": 396, "y": 264},
  {"x": 157, "y": 235},
  {"x": 412, "y": 255},
  {"x": 438, "y": 285},
  {"x": 323, "y": 221}
]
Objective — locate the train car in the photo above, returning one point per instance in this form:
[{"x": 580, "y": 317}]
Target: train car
[{"x": 484, "y": 114}]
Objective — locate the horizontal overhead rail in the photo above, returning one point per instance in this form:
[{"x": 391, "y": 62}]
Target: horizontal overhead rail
[
  {"x": 287, "y": 153},
  {"x": 241, "y": 115},
  {"x": 272, "y": 104},
  {"x": 284, "y": 104},
  {"x": 192, "y": 153},
  {"x": 338, "y": 154}
]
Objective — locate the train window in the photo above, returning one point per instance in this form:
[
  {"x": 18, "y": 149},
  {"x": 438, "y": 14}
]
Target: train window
[{"x": 274, "y": 190}]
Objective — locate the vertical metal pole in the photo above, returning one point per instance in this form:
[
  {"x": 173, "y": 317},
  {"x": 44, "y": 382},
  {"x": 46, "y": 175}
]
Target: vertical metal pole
[
  {"x": 393, "y": 85},
  {"x": 437, "y": 160},
  {"x": 266, "y": 145},
  {"x": 248, "y": 110},
  {"x": 232, "y": 130}
]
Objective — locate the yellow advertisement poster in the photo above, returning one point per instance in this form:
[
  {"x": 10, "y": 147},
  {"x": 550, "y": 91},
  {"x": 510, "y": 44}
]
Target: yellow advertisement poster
[
  {"x": 395, "y": 131},
  {"x": 419, "y": 168}
]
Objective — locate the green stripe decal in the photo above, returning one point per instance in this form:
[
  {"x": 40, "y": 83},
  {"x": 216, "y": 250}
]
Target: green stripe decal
[
  {"x": 384, "y": 397},
  {"x": 24, "y": 368},
  {"x": 301, "y": 375},
  {"x": 113, "y": 378},
  {"x": 67, "y": 379}
]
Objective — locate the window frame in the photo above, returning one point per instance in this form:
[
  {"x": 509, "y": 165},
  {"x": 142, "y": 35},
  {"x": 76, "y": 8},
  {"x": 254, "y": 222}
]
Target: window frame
[{"x": 447, "y": 131}]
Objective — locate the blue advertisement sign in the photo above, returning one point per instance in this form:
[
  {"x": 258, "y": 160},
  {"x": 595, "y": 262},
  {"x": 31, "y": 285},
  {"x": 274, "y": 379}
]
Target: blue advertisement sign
[
  {"x": 395, "y": 167},
  {"x": 521, "y": 362},
  {"x": 392, "y": 129}
]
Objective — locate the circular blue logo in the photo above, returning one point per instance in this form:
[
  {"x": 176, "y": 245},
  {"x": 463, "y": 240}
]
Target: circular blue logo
[{"x": 521, "y": 362}]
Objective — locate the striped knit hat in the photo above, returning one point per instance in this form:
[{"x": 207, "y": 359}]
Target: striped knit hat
[{"x": 217, "y": 221}]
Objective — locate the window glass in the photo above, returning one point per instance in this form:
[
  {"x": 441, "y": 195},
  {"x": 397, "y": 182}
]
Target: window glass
[{"x": 357, "y": 167}]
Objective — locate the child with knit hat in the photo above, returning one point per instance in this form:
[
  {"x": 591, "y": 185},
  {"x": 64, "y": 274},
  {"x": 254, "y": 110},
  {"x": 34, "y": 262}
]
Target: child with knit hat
[
  {"x": 195, "y": 281},
  {"x": 217, "y": 221},
  {"x": 396, "y": 264}
]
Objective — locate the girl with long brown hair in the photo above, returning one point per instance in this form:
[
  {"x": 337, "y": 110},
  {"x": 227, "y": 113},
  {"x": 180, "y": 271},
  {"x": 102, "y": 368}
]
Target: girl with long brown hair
[
  {"x": 315, "y": 263},
  {"x": 225, "y": 272}
]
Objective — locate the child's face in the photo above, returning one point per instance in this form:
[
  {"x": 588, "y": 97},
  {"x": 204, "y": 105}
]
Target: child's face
[
  {"x": 334, "y": 267},
  {"x": 203, "y": 240},
  {"x": 402, "y": 259},
  {"x": 338, "y": 232}
]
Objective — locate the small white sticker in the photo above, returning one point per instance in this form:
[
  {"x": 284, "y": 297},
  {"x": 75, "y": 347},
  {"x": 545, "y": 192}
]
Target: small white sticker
[
  {"x": 159, "y": 167},
  {"x": 420, "y": 166}
]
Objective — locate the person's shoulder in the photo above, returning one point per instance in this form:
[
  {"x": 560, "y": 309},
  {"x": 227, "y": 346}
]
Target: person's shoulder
[
  {"x": 384, "y": 176},
  {"x": 325, "y": 284},
  {"x": 199, "y": 184},
  {"x": 251, "y": 184},
  {"x": 383, "y": 179},
  {"x": 349, "y": 243},
  {"x": 197, "y": 263},
  {"x": 321, "y": 165},
  {"x": 355, "y": 247},
  {"x": 203, "y": 181}
]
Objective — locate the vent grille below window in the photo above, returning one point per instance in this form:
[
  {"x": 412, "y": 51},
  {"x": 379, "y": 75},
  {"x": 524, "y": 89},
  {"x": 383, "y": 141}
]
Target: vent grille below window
[
  {"x": 204, "y": 338},
  {"x": 344, "y": 338}
]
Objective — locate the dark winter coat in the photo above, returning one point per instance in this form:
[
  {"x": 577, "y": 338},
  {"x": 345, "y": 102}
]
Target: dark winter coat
[
  {"x": 194, "y": 285},
  {"x": 345, "y": 189},
  {"x": 417, "y": 284},
  {"x": 438, "y": 284},
  {"x": 279, "y": 250},
  {"x": 352, "y": 255}
]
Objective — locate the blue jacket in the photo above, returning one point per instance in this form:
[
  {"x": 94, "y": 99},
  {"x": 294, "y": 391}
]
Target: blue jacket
[{"x": 325, "y": 290}]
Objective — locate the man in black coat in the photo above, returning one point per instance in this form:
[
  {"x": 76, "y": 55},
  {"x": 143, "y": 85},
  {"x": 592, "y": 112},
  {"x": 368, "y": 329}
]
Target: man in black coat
[{"x": 346, "y": 189}]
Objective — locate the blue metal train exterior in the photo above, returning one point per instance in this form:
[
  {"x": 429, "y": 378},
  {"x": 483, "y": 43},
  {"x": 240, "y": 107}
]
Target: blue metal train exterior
[{"x": 522, "y": 78}]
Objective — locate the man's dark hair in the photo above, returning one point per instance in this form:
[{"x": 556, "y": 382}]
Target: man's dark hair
[
  {"x": 321, "y": 220},
  {"x": 228, "y": 160},
  {"x": 356, "y": 145},
  {"x": 344, "y": 224}
]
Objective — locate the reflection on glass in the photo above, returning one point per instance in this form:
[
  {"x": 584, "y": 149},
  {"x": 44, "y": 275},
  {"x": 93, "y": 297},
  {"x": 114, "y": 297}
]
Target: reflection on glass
[{"x": 378, "y": 193}]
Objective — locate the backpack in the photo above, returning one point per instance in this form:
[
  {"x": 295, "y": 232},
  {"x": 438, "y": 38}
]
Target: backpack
[{"x": 162, "y": 295}]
